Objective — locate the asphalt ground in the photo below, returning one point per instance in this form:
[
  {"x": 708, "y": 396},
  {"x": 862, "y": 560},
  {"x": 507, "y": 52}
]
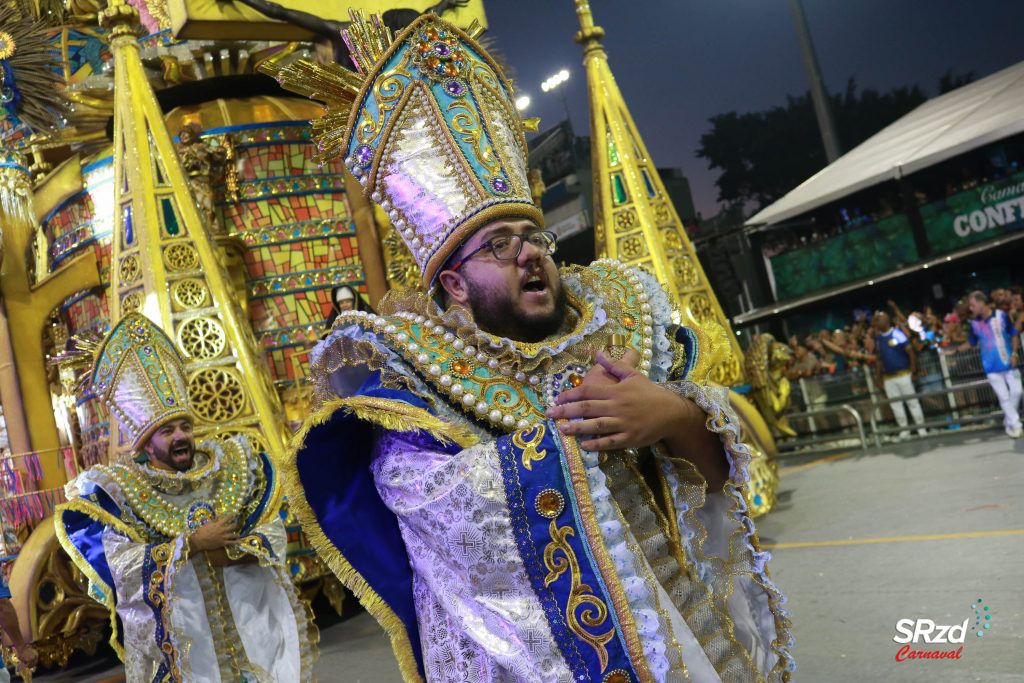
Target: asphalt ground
[{"x": 919, "y": 530}]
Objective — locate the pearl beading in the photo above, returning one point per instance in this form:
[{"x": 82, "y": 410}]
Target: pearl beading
[{"x": 438, "y": 355}]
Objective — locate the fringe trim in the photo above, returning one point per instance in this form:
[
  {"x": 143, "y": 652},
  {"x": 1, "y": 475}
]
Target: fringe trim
[
  {"x": 86, "y": 568},
  {"x": 722, "y": 421},
  {"x": 389, "y": 414}
]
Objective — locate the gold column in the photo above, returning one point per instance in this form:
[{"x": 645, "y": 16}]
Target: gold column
[
  {"x": 10, "y": 391},
  {"x": 634, "y": 218},
  {"x": 28, "y": 305},
  {"x": 368, "y": 239},
  {"x": 165, "y": 263}
]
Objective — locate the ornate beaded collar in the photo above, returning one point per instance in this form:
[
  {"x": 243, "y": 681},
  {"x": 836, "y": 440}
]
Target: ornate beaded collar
[
  {"x": 149, "y": 504},
  {"x": 175, "y": 483},
  {"x": 507, "y": 385}
]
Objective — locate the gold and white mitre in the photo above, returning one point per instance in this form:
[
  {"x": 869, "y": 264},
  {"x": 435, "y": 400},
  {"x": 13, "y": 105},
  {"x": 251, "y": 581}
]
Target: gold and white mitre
[{"x": 429, "y": 127}]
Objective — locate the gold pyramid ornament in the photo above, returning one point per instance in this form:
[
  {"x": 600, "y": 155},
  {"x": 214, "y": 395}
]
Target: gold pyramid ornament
[
  {"x": 634, "y": 218},
  {"x": 165, "y": 264}
]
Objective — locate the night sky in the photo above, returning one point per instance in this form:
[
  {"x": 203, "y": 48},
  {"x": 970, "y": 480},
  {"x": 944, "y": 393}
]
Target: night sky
[{"x": 679, "y": 62}]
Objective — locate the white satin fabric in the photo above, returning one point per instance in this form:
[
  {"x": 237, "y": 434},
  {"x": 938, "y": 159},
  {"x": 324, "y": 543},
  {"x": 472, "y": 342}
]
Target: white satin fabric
[
  {"x": 262, "y": 614},
  {"x": 240, "y": 622}
]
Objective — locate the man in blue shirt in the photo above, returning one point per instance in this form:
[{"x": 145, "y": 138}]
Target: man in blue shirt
[
  {"x": 994, "y": 334},
  {"x": 895, "y": 366}
]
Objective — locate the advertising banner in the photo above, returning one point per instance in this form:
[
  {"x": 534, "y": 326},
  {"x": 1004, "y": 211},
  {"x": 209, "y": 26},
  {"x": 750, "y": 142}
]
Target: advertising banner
[{"x": 975, "y": 215}]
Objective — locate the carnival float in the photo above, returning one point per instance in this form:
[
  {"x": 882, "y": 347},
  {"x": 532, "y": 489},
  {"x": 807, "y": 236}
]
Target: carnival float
[{"x": 147, "y": 164}]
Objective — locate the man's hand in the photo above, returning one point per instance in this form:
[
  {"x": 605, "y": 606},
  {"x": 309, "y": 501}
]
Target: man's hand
[
  {"x": 598, "y": 376},
  {"x": 629, "y": 412},
  {"x": 219, "y": 533},
  {"x": 636, "y": 413}
]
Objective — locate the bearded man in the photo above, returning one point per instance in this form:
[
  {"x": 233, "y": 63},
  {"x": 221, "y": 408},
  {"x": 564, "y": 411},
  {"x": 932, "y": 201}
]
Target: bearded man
[
  {"x": 185, "y": 543},
  {"x": 513, "y": 467}
]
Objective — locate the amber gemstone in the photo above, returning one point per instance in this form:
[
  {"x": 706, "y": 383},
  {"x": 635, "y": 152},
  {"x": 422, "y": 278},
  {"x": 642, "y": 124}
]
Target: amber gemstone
[
  {"x": 629, "y": 321},
  {"x": 575, "y": 380},
  {"x": 432, "y": 62},
  {"x": 617, "y": 677},
  {"x": 423, "y": 48},
  {"x": 431, "y": 33},
  {"x": 451, "y": 70},
  {"x": 461, "y": 367},
  {"x": 549, "y": 503}
]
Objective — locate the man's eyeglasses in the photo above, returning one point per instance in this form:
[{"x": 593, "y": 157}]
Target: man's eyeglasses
[{"x": 508, "y": 247}]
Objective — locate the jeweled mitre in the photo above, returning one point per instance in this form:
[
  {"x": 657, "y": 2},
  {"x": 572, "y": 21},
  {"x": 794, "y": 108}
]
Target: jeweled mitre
[
  {"x": 429, "y": 127},
  {"x": 139, "y": 375}
]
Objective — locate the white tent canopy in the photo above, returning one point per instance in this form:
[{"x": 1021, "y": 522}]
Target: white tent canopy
[{"x": 941, "y": 128}]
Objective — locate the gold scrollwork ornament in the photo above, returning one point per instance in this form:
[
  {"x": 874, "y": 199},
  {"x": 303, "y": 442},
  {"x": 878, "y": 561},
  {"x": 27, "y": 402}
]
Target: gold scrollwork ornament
[
  {"x": 583, "y": 606},
  {"x": 530, "y": 452}
]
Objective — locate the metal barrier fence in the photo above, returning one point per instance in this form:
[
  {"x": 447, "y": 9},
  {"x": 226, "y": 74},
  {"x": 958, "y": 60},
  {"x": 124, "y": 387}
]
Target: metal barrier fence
[{"x": 833, "y": 409}]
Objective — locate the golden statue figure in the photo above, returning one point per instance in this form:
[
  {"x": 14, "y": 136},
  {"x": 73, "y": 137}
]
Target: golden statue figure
[
  {"x": 206, "y": 166},
  {"x": 765, "y": 360}
]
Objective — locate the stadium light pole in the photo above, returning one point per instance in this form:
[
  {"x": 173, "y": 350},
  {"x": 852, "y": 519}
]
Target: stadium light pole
[
  {"x": 819, "y": 96},
  {"x": 553, "y": 83}
]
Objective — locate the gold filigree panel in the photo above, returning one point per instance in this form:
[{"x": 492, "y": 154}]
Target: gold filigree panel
[
  {"x": 626, "y": 220},
  {"x": 727, "y": 372},
  {"x": 700, "y": 309},
  {"x": 181, "y": 256},
  {"x": 671, "y": 240},
  {"x": 401, "y": 269},
  {"x": 662, "y": 214},
  {"x": 216, "y": 394},
  {"x": 129, "y": 270},
  {"x": 685, "y": 272},
  {"x": 189, "y": 293},
  {"x": 131, "y": 302},
  {"x": 201, "y": 338},
  {"x": 631, "y": 247}
]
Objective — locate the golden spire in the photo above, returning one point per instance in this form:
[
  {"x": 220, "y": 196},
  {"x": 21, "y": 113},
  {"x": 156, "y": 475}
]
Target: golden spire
[
  {"x": 634, "y": 219},
  {"x": 165, "y": 265}
]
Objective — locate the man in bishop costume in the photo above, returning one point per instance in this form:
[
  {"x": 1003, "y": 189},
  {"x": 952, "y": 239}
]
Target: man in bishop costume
[
  {"x": 184, "y": 543},
  {"x": 508, "y": 499}
]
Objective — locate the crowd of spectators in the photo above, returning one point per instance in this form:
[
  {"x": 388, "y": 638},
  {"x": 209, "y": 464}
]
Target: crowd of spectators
[
  {"x": 831, "y": 352},
  {"x": 888, "y": 346}
]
